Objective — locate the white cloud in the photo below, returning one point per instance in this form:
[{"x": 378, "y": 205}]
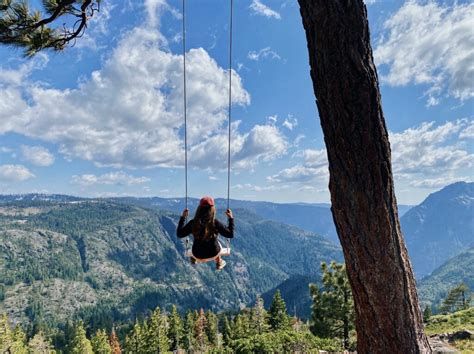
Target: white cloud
[
  {"x": 128, "y": 113},
  {"x": 430, "y": 43},
  {"x": 438, "y": 182},
  {"x": 153, "y": 9},
  {"x": 468, "y": 132},
  {"x": 301, "y": 174},
  {"x": 313, "y": 169},
  {"x": 112, "y": 178},
  {"x": 256, "y": 188},
  {"x": 37, "y": 155},
  {"x": 429, "y": 151},
  {"x": 273, "y": 119},
  {"x": 259, "y": 8},
  {"x": 315, "y": 158},
  {"x": 298, "y": 139},
  {"x": 290, "y": 122},
  {"x": 16, "y": 77},
  {"x": 261, "y": 143},
  {"x": 14, "y": 173},
  {"x": 426, "y": 156},
  {"x": 263, "y": 53}
]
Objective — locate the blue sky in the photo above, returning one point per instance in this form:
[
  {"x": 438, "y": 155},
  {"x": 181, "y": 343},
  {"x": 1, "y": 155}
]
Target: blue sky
[{"x": 104, "y": 118}]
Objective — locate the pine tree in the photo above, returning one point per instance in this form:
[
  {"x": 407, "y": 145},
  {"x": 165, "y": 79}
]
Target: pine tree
[
  {"x": 333, "y": 307},
  {"x": 226, "y": 332},
  {"x": 259, "y": 317},
  {"x": 278, "y": 316},
  {"x": 40, "y": 345},
  {"x": 175, "y": 330},
  {"x": 189, "y": 341},
  {"x": 200, "y": 331},
  {"x": 212, "y": 328},
  {"x": 156, "y": 331},
  {"x": 458, "y": 299},
  {"x": 80, "y": 344},
  {"x": 427, "y": 313},
  {"x": 19, "y": 341},
  {"x": 134, "y": 341},
  {"x": 114, "y": 342},
  {"x": 100, "y": 343},
  {"x": 6, "y": 340},
  {"x": 22, "y": 27}
]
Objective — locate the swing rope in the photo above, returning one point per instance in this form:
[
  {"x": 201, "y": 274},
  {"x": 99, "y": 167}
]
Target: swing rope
[
  {"x": 185, "y": 116},
  {"x": 230, "y": 101},
  {"x": 185, "y": 109}
]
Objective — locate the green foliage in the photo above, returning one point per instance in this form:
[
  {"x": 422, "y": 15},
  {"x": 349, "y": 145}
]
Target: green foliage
[
  {"x": 212, "y": 328},
  {"x": 427, "y": 313},
  {"x": 135, "y": 341},
  {"x": 40, "y": 345},
  {"x": 32, "y": 31},
  {"x": 80, "y": 344},
  {"x": 333, "y": 306},
  {"x": 459, "y": 298},
  {"x": 175, "y": 330},
  {"x": 100, "y": 343},
  {"x": 450, "y": 323},
  {"x": 6, "y": 339},
  {"x": 189, "y": 340},
  {"x": 259, "y": 317},
  {"x": 278, "y": 316},
  {"x": 200, "y": 331},
  {"x": 434, "y": 288},
  {"x": 155, "y": 333},
  {"x": 226, "y": 332},
  {"x": 284, "y": 342}
]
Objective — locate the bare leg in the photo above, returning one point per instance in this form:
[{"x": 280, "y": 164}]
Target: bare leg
[{"x": 220, "y": 263}]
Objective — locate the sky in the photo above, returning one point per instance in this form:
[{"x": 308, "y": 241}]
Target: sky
[{"x": 105, "y": 116}]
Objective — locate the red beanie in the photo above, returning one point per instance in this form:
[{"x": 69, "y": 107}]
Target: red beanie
[{"x": 209, "y": 201}]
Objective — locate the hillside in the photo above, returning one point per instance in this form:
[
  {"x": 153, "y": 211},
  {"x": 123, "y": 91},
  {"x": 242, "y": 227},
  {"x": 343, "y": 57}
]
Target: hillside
[
  {"x": 440, "y": 228},
  {"x": 94, "y": 256},
  {"x": 295, "y": 292},
  {"x": 435, "y": 287}
]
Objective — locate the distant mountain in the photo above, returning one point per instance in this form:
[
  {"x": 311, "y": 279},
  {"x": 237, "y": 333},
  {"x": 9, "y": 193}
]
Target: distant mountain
[
  {"x": 37, "y": 198},
  {"x": 435, "y": 287},
  {"x": 440, "y": 227},
  {"x": 311, "y": 217},
  {"x": 315, "y": 217},
  {"x": 99, "y": 258}
]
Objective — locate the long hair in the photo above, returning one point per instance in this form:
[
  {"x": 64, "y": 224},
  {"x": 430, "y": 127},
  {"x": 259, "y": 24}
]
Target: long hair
[{"x": 203, "y": 224}]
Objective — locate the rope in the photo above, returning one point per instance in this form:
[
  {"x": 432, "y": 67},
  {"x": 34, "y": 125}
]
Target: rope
[
  {"x": 185, "y": 117},
  {"x": 230, "y": 101},
  {"x": 185, "y": 106}
]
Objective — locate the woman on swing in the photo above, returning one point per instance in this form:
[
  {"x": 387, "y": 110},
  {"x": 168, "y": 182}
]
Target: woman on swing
[{"x": 205, "y": 229}]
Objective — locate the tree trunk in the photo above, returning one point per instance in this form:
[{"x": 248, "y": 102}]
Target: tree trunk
[{"x": 388, "y": 317}]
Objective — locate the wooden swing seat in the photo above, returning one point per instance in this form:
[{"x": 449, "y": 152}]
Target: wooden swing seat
[{"x": 225, "y": 251}]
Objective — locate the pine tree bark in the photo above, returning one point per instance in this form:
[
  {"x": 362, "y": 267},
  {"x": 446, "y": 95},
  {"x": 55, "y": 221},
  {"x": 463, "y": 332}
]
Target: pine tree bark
[{"x": 388, "y": 317}]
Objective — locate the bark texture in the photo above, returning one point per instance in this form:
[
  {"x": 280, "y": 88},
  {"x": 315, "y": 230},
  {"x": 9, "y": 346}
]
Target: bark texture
[{"x": 388, "y": 317}]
